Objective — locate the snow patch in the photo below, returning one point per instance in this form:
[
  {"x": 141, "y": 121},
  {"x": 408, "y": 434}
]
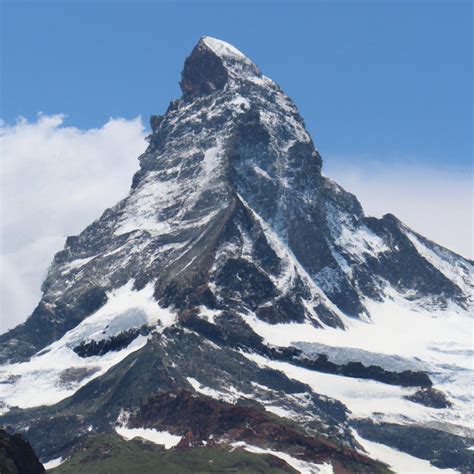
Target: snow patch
[
  {"x": 125, "y": 309},
  {"x": 282, "y": 334},
  {"x": 158, "y": 437},
  {"x": 261, "y": 172},
  {"x": 75, "y": 264},
  {"x": 398, "y": 461},
  {"x": 440, "y": 341},
  {"x": 459, "y": 271},
  {"x": 164, "y": 438},
  {"x": 230, "y": 396},
  {"x": 303, "y": 467},
  {"x": 57, "y": 372},
  {"x": 209, "y": 314},
  {"x": 361, "y": 240},
  {"x": 364, "y": 398},
  {"x": 53, "y": 463},
  {"x": 223, "y": 49},
  {"x": 354, "y": 238}
]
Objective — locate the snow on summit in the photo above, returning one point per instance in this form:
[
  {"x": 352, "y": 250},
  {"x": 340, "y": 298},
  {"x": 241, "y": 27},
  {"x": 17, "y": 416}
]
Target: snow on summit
[{"x": 223, "y": 49}]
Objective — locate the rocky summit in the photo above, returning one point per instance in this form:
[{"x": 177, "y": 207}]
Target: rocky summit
[{"x": 238, "y": 308}]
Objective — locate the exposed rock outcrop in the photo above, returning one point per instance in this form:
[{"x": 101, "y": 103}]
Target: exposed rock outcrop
[{"x": 17, "y": 455}]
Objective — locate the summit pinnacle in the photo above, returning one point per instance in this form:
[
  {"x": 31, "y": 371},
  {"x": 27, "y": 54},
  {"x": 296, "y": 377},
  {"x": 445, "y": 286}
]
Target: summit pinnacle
[{"x": 211, "y": 65}]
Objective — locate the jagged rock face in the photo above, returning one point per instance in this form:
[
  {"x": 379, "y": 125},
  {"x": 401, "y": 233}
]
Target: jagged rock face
[
  {"x": 203, "y": 73},
  {"x": 229, "y": 226}
]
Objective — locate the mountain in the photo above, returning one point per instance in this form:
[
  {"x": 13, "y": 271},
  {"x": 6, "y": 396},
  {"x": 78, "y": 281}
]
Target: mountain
[{"x": 238, "y": 300}]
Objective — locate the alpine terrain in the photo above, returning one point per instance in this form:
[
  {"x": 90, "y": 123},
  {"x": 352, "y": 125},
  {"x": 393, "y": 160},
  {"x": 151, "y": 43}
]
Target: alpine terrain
[{"x": 238, "y": 312}]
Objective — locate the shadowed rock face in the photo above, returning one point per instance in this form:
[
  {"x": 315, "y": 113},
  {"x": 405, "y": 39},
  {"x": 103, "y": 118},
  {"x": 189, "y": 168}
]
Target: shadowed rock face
[
  {"x": 430, "y": 397},
  {"x": 17, "y": 455},
  {"x": 203, "y": 73},
  {"x": 228, "y": 218},
  {"x": 443, "y": 449}
]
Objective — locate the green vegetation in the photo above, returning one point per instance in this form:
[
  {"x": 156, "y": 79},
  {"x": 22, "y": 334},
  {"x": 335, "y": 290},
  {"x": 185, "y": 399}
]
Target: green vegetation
[{"x": 110, "y": 454}]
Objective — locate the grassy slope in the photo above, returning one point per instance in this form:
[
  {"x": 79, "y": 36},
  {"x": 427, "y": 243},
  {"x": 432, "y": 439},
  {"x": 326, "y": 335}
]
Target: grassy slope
[{"x": 106, "y": 454}]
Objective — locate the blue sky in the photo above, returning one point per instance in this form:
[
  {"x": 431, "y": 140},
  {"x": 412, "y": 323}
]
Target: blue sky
[{"x": 388, "y": 78}]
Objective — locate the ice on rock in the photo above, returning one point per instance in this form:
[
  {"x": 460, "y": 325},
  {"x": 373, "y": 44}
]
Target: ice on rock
[{"x": 223, "y": 49}]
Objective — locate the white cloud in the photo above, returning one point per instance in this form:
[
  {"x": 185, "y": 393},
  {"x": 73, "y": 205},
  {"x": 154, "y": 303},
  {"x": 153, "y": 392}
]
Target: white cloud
[
  {"x": 437, "y": 203},
  {"x": 55, "y": 180}
]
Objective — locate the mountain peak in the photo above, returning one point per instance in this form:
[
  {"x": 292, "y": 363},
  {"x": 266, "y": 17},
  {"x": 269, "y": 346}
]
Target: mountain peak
[
  {"x": 235, "y": 270},
  {"x": 223, "y": 49},
  {"x": 210, "y": 66}
]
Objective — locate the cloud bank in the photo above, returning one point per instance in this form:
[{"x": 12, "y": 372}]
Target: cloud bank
[{"x": 56, "y": 179}]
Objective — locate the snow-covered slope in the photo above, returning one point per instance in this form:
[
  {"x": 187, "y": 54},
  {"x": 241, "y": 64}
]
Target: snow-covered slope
[{"x": 236, "y": 270}]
